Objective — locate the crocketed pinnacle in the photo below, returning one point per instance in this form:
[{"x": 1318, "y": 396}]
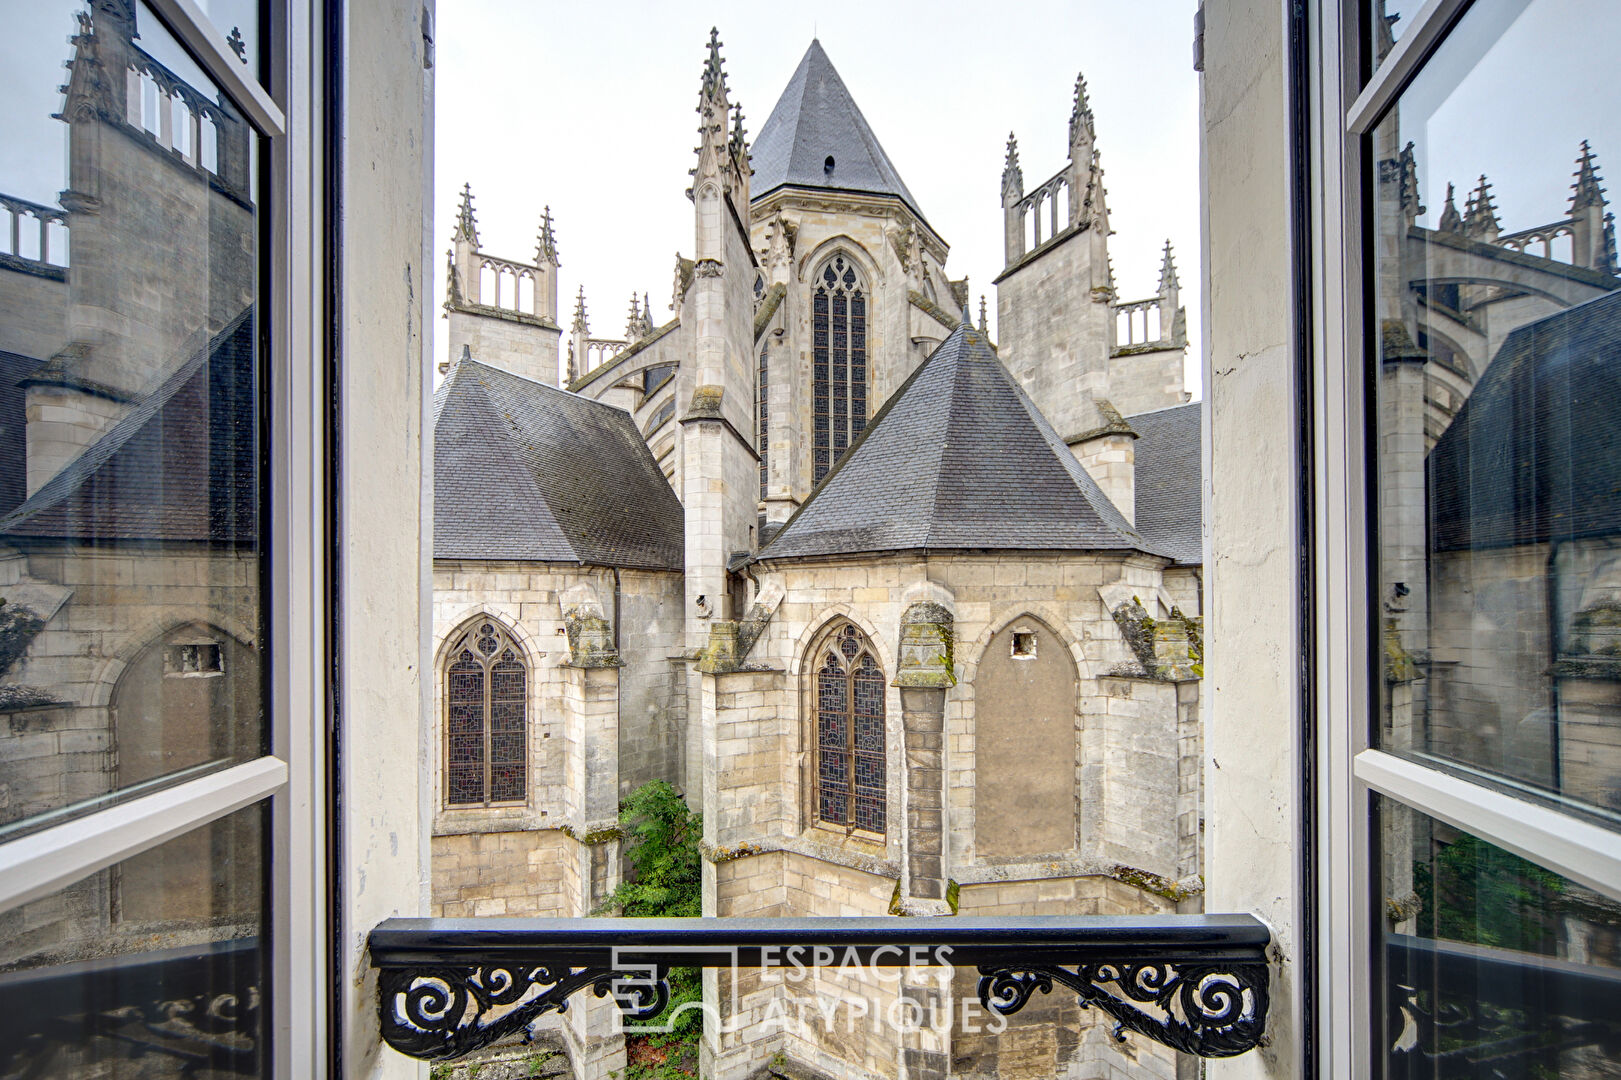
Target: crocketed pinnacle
[
  {"x": 581, "y": 324},
  {"x": 714, "y": 85},
  {"x": 1012, "y": 176},
  {"x": 1080, "y": 114},
  {"x": 1480, "y": 213},
  {"x": 466, "y": 222},
  {"x": 1586, "y": 191},
  {"x": 546, "y": 247},
  {"x": 1167, "y": 271}
]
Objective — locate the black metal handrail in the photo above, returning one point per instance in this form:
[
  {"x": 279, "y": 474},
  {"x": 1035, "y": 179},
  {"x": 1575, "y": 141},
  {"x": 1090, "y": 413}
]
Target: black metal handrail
[{"x": 446, "y": 987}]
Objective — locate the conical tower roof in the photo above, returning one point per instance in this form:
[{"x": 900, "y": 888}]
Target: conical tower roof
[
  {"x": 815, "y": 122},
  {"x": 959, "y": 458}
]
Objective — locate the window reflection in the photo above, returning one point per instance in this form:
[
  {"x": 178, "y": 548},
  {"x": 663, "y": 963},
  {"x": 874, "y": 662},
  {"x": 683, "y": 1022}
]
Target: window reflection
[
  {"x": 1494, "y": 967},
  {"x": 129, "y": 414},
  {"x": 146, "y": 970},
  {"x": 1497, "y": 322}
]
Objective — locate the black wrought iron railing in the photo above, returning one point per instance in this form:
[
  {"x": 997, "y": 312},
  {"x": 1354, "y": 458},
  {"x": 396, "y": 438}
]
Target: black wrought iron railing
[{"x": 447, "y": 987}]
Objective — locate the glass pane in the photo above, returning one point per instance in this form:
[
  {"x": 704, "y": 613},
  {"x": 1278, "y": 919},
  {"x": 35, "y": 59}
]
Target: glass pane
[
  {"x": 1498, "y": 370},
  {"x": 129, "y": 415},
  {"x": 148, "y": 969},
  {"x": 1494, "y": 967}
]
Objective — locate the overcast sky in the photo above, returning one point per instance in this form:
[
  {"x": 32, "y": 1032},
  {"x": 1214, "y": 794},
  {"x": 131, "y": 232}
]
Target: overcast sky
[{"x": 590, "y": 108}]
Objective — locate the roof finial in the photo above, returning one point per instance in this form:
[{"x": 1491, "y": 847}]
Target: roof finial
[
  {"x": 1012, "y": 177},
  {"x": 546, "y": 248},
  {"x": 1586, "y": 191},
  {"x": 982, "y": 322},
  {"x": 1080, "y": 115},
  {"x": 714, "y": 69},
  {"x": 738, "y": 144},
  {"x": 1167, "y": 271},
  {"x": 466, "y": 223},
  {"x": 1480, "y": 214},
  {"x": 581, "y": 324}
]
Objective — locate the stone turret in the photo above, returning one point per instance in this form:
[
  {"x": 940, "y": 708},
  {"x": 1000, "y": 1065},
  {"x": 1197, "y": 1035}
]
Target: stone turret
[
  {"x": 502, "y": 311},
  {"x": 1054, "y": 313}
]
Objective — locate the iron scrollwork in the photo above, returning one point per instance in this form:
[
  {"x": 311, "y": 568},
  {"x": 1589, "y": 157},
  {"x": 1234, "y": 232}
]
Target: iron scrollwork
[
  {"x": 1206, "y": 1010},
  {"x": 441, "y": 1013}
]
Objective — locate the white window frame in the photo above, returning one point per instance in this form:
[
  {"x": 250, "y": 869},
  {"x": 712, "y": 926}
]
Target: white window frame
[
  {"x": 291, "y": 780},
  {"x": 1349, "y": 770}
]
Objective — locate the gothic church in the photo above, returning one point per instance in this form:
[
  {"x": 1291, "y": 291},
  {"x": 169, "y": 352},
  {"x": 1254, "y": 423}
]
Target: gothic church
[{"x": 911, "y": 616}]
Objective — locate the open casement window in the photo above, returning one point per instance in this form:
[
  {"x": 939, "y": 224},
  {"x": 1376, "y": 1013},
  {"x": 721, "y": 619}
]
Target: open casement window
[
  {"x": 838, "y": 362},
  {"x": 161, "y": 628},
  {"x": 1471, "y": 692},
  {"x": 486, "y": 700},
  {"x": 850, "y": 791}
]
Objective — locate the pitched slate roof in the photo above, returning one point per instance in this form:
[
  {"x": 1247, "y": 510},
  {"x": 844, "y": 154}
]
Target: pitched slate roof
[
  {"x": 182, "y": 464},
  {"x": 1167, "y": 480},
  {"x": 1535, "y": 452},
  {"x": 959, "y": 458},
  {"x": 14, "y": 368},
  {"x": 522, "y": 470},
  {"x": 816, "y": 119}
]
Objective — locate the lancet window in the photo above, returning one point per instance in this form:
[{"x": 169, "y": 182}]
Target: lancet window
[
  {"x": 850, "y": 787},
  {"x": 486, "y": 696},
  {"x": 838, "y": 361}
]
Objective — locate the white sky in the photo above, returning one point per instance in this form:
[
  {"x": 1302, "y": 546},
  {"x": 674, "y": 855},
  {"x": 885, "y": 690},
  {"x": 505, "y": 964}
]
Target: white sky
[{"x": 590, "y": 108}]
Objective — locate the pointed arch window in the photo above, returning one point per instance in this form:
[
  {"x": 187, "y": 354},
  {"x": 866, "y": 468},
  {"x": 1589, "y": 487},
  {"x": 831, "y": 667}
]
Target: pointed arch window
[
  {"x": 850, "y": 786},
  {"x": 486, "y": 697},
  {"x": 838, "y": 362}
]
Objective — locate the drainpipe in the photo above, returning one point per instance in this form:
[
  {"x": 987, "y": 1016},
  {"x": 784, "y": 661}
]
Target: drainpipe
[{"x": 616, "y": 611}]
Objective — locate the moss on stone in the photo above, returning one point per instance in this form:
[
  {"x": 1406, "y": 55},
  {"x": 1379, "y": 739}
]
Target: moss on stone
[
  {"x": 933, "y": 310},
  {"x": 18, "y": 627},
  {"x": 768, "y": 307},
  {"x": 595, "y": 836},
  {"x": 1157, "y": 884}
]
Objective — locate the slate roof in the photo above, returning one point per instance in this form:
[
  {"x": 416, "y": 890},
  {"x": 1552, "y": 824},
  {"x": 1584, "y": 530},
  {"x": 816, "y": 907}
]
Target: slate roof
[
  {"x": 1535, "y": 452},
  {"x": 959, "y": 458},
  {"x": 14, "y": 368},
  {"x": 1167, "y": 480},
  {"x": 182, "y": 464},
  {"x": 815, "y": 119},
  {"x": 527, "y": 471}
]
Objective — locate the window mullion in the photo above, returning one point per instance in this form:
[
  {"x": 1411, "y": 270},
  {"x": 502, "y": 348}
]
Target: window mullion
[
  {"x": 1570, "y": 846},
  {"x": 41, "y": 863}
]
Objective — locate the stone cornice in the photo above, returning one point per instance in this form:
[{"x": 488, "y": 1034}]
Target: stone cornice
[{"x": 828, "y": 201}]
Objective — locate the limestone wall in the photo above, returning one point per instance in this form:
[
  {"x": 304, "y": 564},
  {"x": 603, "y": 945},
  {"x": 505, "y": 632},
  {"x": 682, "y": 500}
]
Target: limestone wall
[
  {"x": 509, "y": 341},
  {"x": 33, "y": 313},
  {"x": 1054, "y": 332},
  {"x": 528, "y": 599},
  {"x": 1114, "y": 829},
  {"x": 1141, "y": 381}
]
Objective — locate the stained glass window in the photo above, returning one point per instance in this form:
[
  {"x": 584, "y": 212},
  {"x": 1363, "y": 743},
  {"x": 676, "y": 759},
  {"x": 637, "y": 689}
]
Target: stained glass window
[
  {"x": 486, "y": 717},
  {"x": 850, "y": 788},
  {"x": 838, "y": 363}
]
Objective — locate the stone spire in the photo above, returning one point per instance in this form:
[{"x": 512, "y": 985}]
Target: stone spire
[
  {"x": 982, "y": 321},
  {"x": 638, "y": 325},
  {"x": 546, "y": 246},
  {"x": 581, "y": 324},
  {"x": 1407, "y": 165},
  {"x": 647, "y": 312},
  {"x": 715, "y": 143},
  {"x": 738, "y": 143},
  {"x": 466, "y": 223},
  {"x": 1480, "y": 213},
  {"x": 1080, "y": 117},
  {"x": 1167, "y": 272},
  {"x": 1451, "y": 220},
  {"x": 1012, "y": 177},
  {"x": 1586, "y": 191}
]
